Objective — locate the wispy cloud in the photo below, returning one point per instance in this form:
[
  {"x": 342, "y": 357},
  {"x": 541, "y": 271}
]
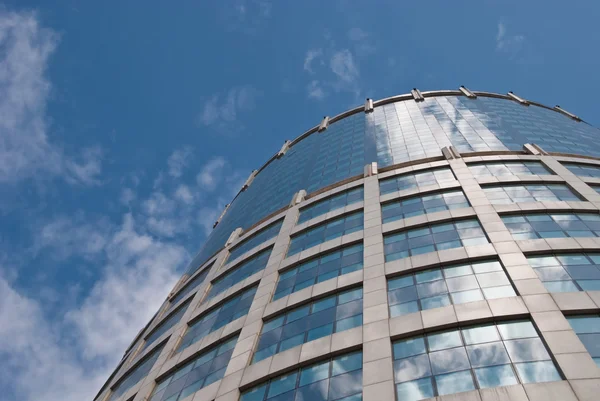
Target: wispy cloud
[
  {"x": 311, "y": 55},
  {"x": 343, "y": 66},
  {"x": 87, "y": 169},
  {"x": 362, "y": 42},
  {"x": 315, "y": 90},
  {"x": 211, "y": 173},
  {"x": 246, "y": 16},
  {"x": 511, "y": 45},
  {"x": 179, "y": 160},
  {"x": 221, "y": 112}
]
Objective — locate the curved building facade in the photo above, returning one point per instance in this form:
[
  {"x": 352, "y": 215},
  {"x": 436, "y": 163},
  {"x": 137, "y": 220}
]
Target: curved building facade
[{"x": 435, "y": 245}]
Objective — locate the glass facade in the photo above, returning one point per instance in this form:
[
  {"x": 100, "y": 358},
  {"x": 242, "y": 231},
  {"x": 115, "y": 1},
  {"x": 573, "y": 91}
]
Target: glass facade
[
  {"x": 329, "y": 230},
  {"x": 418, "y": 205},
  {"x": 587, "y": 329},
  {"x": 553, "y": 225},
  {"x": 433, "y": 237},
  {"x": 166, "y": 324},
  {"x": 583, "y": 170},
  {"x": 256, "y": 239},
  {"x": 338, "y": 379},
  {"x": 419, "y": 179},
  {"x": 330, "y": 203},
  {"x": 469, "y": 358},
  {"x": 503, "y": 169},
  {"x": 223, "y": 313},
  {"x": 202, "y": 370},
  {"x": 135, "y": 375},
  {"x": 568, "y": 272},
  {"x": 308, "y": 322},
  {"x": 189, "y": 287},
  {"x": 456, "y": 284},
  {"x": 322, "y": 268},
  {"x": 507, "y": 194}
]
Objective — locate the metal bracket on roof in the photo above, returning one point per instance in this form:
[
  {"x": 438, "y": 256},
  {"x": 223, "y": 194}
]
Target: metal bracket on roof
[
  {"x": 566, "y": 113},
  {"x": 416, "y": 94},
  {"x": 371, "y": 169},
  {"x": 450, "y": 153},
  {"x": 511, "y": 95},
  {"x": 235, "y": 234},
  {"x": 533, "y": 149},
  {"x": 369, "y": 105},
  {"x": 467, "y": 92},
  {"x": 455, "y": 152},
  {"x": 324, "y": 124},
  {"x": 249, "y": 180},
  {"x": 298, "y": 197},
  {"x": 221, "y": 216},
  {"x": 284, "y": 149}
]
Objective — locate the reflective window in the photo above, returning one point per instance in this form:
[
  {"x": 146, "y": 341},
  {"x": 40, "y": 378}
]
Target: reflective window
[
  {"x": 583, "y": 170},
  {"x": 507, "y": 194},
  {"x": 326, "y": 231},
  {"x": 224, "y": 312},
  {"x": 330, "y": 265},
  {"x": 331, "y": 203},
  {"x": 190, "y": 286},
  {"x": 166, "y": 324},
  {"x": 339, "y": 379},
  {"x": 136, "y": 374},
  {"x": 308, "y": 322},
  {"x": 202, "y": 370},
  {"x": 497, "y": 169},
  {"x": 471, "y": 358},
  {"x": 455, "y": 284},
  {"x": 433, "y": 237},
  {"x": 242, "y": 271},
  {"x": 418, "y": 205},
  {"x": 568, "y": 272},
  {"x": 416, "y": 180},
  {"x": 255, "y": 240},
  {"x": 588, "y": 329},
  {"x": 553, "y": 225}
]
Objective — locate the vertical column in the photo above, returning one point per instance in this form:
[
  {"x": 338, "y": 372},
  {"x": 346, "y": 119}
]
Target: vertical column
[
  {"x": 242, "y": 354},
  {"x": 378, "y": 369}
]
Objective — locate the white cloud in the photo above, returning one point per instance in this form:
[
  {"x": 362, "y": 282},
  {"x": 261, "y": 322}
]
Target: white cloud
[
  {"x": 87, "y": 171},
  {"x": 128, "y": 195},
  {"x": 510, "y": 45},
  {"x": 315, "y": 90},
  {"x": 363, "y": 45},
  {"x": 184, "y": 194},
  {"x": 221, "y": 111},
  {"x": 179, "y": 160},
  {"x": 342, "y": 64},
  {"x": 246, "y": 16},
  {"x": 211, "y": 174},
  {"x": 310, "y": 56}
]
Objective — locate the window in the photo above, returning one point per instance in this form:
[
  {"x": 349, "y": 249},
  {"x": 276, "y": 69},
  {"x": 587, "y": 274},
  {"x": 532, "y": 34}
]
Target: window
[
  {"x": 588, "y": 330},
  {"x": 198, "y": 373},
  {"x": 255, "y": 240},
  {"x": 242, "y": 271},
  {"x": 497, "y": 169},
  {"x": 583, "y": 170},
  {"x": 225, "y": 312},
  {"x": 568, "y": 272},
  {"x": 327, "y": 231},
  {"x": 330, "y": 265},
  {"x": 553, "y": 225},
  {"x": 136, "y": 374},
  {"x": 433, "y": 237},
  {"x": 416, "y": 180},
  {"x": 189, "y": 287},
  {"x": 308, "y": 322},
  {"x": 474, "y": 357},
  {"x": 529, "y": 193},
  {"x": 339, "y": 379},
  {"x": 455, "y": 284},
  {"x": 330, "y": 203},
  {"x": 166, "y": 324},
  {"x": 418, "y": 205}
]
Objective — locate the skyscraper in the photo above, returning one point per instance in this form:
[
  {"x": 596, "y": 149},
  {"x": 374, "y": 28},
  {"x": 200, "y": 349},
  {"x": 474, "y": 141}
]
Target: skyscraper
[{"x": 433, "y": 244}]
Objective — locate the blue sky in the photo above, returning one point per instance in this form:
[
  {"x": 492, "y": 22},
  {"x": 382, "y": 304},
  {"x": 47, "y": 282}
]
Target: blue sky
[{"x": 126, "y": 126}]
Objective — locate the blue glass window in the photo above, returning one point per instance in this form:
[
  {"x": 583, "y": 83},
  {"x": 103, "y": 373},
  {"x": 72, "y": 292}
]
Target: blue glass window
[
  {"x": 583, "y": 170},
  {"x": 507, "y": 194},
  {"x": 240, "y": 272},
  {"x": 416, "y": 180},
  {"x": 202, "y": 370},
  {"x": 255, "y": 240},
  {"x": 166, "y": 324},
  {"x": 455, "y": 284},
  {"x": 418, "y": 205},
  {"x": 568, "y": 272},
  {"x": 190, "y": 286},
  {"x": 330, "y": 265},
  {"x": 326, "y": 231},
  {"x": 136, "y": 374},
  {"x": 471, "y": 358},
  {"x": 224, "y": 312},
  {"x": 499, "y": 169},
  {"x": 553, "y": 225},
  {"x": 588, "y": 329},
  {"x": 433, "y": 237},
  {"x": 308, "y": 322},
  {"x": 330, "y": 203},
  {"x": 339, "y": 379}
]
